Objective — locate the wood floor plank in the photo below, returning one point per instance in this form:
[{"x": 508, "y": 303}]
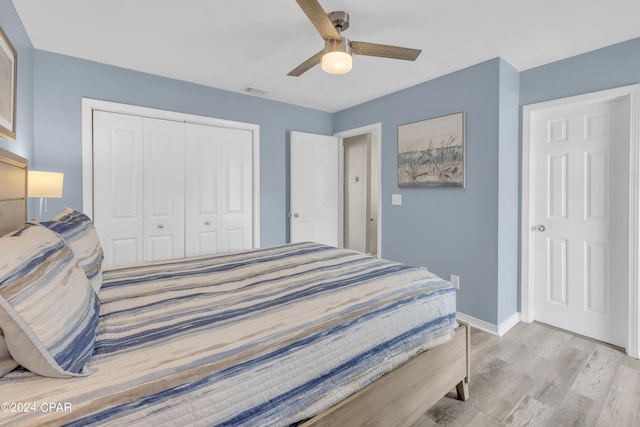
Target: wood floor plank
[
  {"x": 529, "y": 412},
  {"x": 537, "y": 375},
  {"x": 622, "y": 406},
  {"x": 554, "y": 377},
  {"x": 596, "y": 377}
]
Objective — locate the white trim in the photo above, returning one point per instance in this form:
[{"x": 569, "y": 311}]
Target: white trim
[
  {"x": 375, "y": 129},
  {"x": 509, "y": 323},
  {"x": 633, "y": 313},
  {"x": 89, "y": 105},
  {"x": 497, "y": 330},
  {"x": 632, "y": 94}
]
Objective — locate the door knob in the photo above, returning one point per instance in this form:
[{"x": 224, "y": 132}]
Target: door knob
[
  {"x": 296, "y": 214},
  {"x": 207, "y": 223},
  {"x": 540, "y": 228},
  {"x": 160, "y": 225}
]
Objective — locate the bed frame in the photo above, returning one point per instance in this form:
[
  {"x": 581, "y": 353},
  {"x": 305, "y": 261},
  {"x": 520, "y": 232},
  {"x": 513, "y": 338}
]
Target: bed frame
[
  {"x": 400, "y": 397},
  {"x": 396, "y": 399},
  {"x": 13, "y": 191}
]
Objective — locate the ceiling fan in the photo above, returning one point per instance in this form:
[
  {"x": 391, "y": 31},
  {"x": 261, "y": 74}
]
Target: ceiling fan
[{"x": 336, "y": 57}]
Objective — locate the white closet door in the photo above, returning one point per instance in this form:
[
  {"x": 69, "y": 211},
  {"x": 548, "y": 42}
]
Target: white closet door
[
  {"x": 236, "y": 189},
  {"x": 166, "y": 189},
  {"x": 164, "y": 194},
  {"x": 118, "y": 186},
  {"x": 219, "y": 190},
  {"x": 202, "y": 207}
]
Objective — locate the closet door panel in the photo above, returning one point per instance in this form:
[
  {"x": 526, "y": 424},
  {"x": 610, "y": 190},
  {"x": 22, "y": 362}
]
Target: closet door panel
[
  {"x": 118, "y": 186},
  {"x": 202, "y": 190},
  {"x": 168, "y": 189},
  {"x": 164, "y": 195},
  {"x": 236, "y": 189}
]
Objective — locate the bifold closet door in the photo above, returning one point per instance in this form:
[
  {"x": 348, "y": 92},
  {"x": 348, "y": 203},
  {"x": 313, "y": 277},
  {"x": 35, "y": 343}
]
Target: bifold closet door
[
  {"x": 219, "y": 190},
  {"x": 164, "y": 192},
  {"x": 138, "y": 187},
  {"x": 118, "y": 180}
]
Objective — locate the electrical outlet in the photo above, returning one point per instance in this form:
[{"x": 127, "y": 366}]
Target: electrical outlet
[{"x": 455, "y": 281}]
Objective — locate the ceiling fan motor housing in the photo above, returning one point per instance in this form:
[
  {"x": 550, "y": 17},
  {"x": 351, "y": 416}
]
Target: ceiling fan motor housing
[
  {"x": 339, "y": 19},
  {"x": 337, "y": 55}
]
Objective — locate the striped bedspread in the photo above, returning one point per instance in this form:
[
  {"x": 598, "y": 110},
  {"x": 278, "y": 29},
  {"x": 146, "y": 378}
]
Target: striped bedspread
[{"x": 266, "y": 336}]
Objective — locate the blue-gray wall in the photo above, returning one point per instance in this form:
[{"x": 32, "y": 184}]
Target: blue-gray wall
[
  {"x": 472, "y": 232},
  {"x": 508, "y": 192},
  {"x": 456, "y": 231},
  {"x": 61, "y": 82},
  {"x": 613, "y": 66},
  {"x": 10, "y": 23}
]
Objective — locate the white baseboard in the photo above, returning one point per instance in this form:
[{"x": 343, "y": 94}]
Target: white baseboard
[
  {"x": 498, "y": 330},
  {"x": 509, "y": 323}
]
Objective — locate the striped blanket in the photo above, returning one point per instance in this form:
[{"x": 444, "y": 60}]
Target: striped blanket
[{"x": 266, "y": 336}]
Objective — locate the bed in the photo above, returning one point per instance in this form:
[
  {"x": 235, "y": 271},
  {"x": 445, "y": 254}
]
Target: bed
[{"x": 298, "y": 334}]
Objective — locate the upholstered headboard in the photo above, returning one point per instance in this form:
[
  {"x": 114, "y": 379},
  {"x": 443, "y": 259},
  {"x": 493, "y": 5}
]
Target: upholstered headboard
[{"x": 13, "y": 191}]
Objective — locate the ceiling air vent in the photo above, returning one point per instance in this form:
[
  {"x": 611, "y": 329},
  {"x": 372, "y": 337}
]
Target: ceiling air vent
[{"x": 256, "y": 91}]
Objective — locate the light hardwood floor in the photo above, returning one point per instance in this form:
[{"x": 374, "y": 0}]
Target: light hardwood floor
[{"x": 536, "y": 375}]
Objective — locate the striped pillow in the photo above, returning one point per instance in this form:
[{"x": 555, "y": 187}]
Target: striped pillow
[
  {"x": 79, "y": 232},
  {"x": 7, "y": 364},
  {"x": 48, "y": 310}
]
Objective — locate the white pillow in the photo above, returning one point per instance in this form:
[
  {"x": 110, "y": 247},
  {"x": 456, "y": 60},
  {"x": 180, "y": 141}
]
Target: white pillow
[
  {"x": 78, "y": 231},
  {"x": 48, "y": 310},
  {"x": 7, "y": 364}
]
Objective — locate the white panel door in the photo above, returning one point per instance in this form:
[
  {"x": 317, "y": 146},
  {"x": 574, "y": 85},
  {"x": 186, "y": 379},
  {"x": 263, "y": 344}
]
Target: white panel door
[
  {"x": 202, "y": 216},
  {"x": 164, "y": 192},
  {"x": 581, "y": 216},
  {"x": 236, "y": 189},
  {"x": 219, "y": 189},
  {"x": 314, "y": 188},
  {"x": 118, "y": 186}
]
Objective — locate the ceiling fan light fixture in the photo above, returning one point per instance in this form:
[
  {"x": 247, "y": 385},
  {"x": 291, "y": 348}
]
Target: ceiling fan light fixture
[{"x": 337, "y": 58}]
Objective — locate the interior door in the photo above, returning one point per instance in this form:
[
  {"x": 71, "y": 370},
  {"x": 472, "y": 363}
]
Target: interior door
[
  {"x": 118, "y": 186},
  {"x": 580, "y": 182},
  {"x": 236, "y": 189},
  {"x": 202, "y": 190},
  {"x": 219, "y": 189},
  {"x": 314, "y": 188},
  {"x": 164, "y": 192}
]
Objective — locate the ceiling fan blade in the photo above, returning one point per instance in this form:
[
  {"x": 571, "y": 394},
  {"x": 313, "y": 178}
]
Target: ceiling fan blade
[
  {"x": 307, "y": 65},
  {"x": 319, "y": 19},
  {"x": 385, "y": 51}
]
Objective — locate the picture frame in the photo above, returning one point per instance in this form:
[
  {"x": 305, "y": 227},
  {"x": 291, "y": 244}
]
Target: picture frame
[
  {"x": 8, "y": 87},
  {"x": 431, "y": 152}
]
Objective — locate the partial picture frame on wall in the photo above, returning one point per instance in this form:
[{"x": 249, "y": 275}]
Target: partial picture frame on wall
[
  {"x": 431, "y": 152},
  {"x": 8, "y": 87}
]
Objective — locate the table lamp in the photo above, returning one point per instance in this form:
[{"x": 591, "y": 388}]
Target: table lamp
[{"x": 45, "y": 185}]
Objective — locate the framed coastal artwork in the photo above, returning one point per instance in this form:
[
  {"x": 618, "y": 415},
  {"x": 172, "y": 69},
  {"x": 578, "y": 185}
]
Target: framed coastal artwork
[
  {"x": 8, "y": 71},
  {"x": 431, "y": 152}
]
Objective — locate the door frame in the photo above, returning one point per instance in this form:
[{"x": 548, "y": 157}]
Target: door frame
[
  {"x": 376, "y": 130},
  {"x": 632, "y": 95},
  {"x": 90, "y": 104}
]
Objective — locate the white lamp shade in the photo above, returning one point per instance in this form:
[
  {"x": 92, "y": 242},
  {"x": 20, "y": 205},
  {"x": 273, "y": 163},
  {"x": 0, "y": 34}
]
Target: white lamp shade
[
  {"x": 337, "y": 62},
  {"x": 45, "y": 184}
]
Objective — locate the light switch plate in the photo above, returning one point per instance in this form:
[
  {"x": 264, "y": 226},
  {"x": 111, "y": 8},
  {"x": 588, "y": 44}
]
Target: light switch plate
[{"x": 396, "y": 199}]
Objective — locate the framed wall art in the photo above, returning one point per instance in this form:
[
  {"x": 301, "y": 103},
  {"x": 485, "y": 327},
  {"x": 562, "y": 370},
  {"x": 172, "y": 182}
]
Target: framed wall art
[
  {"x": 8, "y": 87},
  {"x": 431, "y": 152}
]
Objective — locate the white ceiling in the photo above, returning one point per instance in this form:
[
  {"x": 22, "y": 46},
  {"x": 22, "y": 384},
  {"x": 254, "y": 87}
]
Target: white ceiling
[{"x": 233, "y": 44}]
